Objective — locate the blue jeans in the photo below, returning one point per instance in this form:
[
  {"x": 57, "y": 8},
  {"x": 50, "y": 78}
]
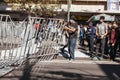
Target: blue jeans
[{"x": 71, "y": 47}]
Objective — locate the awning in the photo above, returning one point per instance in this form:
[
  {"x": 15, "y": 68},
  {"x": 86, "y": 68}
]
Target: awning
[
  {"x": 97, "y": 17},
  {"x": 107, "y": 17}
]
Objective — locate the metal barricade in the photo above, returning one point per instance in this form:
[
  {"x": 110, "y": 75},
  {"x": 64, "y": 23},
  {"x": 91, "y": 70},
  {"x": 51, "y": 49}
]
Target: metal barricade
[{"x": 35, "y": 39}]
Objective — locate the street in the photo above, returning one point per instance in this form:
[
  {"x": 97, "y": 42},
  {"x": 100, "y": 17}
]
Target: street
[{"x": 68, "y": 70}]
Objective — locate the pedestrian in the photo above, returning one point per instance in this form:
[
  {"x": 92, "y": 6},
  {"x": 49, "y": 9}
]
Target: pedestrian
[
  {"x": 101, "y": 32},
  {"x": 50, "y": 26},
  {"x": 81, "y": 35},
  {"x": 37, "y": 34},
  {"x": 107, "y": 50},
  {"x": 91, "y": 32},
  {"x": 112, "y": 40},
  {"x": 54, "y": 30},
  {"x": 72, "y": 31},
  {"x": 85, "y": 35},
  {"x": 117, "y": 38}
]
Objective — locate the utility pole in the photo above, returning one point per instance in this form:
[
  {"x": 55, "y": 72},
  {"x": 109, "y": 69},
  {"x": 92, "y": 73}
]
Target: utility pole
[{"x": 69, "y": 6}]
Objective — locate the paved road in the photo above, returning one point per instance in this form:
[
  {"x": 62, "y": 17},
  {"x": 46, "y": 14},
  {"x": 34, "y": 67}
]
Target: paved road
[
  {"x": 67, "y": 70},
  {"x": 63, "y": 69}
]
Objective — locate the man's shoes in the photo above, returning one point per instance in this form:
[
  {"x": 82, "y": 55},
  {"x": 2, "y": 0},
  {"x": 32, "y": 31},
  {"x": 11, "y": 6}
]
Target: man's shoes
[
  {"x": 62, "y": 50},
  {"x": 71, "y": 60},
  {"x": 94, "y": 58},
  {"x": 100, "y": 58}
]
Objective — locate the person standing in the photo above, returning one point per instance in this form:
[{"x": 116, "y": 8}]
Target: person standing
[
  {"x": 72, "y": 31},
  {"x": 107, "y": 50},
  {"x": 81, "y": 36},
  {"x": 101, "y": 32},
  {"x": 37, "y": 34},
  {"x": 112, "y": 41},
  {"x": 117, "y": 38},
  {"x": 91, "y": 37},
  {"x": 50, "y": 26}
]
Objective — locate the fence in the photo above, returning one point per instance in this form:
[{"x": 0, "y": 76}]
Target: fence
[{"x": 35, "y": 39}]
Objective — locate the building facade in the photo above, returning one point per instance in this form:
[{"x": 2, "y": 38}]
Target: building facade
[{"x": 84, "y": 9}]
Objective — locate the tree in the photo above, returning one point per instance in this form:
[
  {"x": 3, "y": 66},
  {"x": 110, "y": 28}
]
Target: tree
[{"x": 37, "y": 7}]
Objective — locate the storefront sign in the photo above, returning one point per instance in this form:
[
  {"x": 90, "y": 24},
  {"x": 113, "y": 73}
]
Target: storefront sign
[{"x": 113, "y": 5}]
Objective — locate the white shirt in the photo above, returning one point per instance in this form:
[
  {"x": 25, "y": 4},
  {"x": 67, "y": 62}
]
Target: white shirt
[{"x": 102, "y": 28}]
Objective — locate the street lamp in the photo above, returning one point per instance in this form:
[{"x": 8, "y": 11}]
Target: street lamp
[{"x": 69, "y": 6}]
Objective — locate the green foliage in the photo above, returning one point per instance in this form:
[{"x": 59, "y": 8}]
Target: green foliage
[{"x": 41, "y": 8}]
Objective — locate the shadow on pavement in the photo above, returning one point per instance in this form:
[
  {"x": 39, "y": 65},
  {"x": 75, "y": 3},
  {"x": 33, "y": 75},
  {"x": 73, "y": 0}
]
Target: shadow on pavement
[
  {"x": 60, "y": 71},
  {"x": 112, "y": 71},
  {"x": 59, "y": 75},
  {"x": 62, "y": 75},
  {"x": 27, "y": 69}
]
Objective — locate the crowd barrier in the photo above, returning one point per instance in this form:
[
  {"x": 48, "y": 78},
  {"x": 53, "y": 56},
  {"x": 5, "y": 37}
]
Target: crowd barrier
[{"x": 35, "y": 39}]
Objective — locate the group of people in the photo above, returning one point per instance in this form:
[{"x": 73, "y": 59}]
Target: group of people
[
  {"x": 48, "y": 29},
  {"x": 102, "y": 38}
]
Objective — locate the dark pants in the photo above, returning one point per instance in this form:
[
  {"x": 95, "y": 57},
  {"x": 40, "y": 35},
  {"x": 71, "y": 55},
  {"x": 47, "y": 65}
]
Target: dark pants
[
  {"x": 38, "y": 37},
  {"x": 106, "y": 46},
  {"x": 91, "y": 44},
  {"x": 116, "y": 47},
  {"x": 100, "y": 46},
  {"x": 112, "y": 52},
  {"x": 53, "y": 35},
  {"x": 81, "y": 39},
  {"x": 65, "y": 46},
  {"x": 71, "y": 47}
]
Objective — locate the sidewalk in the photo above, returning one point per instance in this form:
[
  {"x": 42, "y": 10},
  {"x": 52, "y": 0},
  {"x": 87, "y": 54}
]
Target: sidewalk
[
  {"x": 82, "y": 54},
  {"x": 79, "y": 53},
  {"x": 83, "y": 68}
]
